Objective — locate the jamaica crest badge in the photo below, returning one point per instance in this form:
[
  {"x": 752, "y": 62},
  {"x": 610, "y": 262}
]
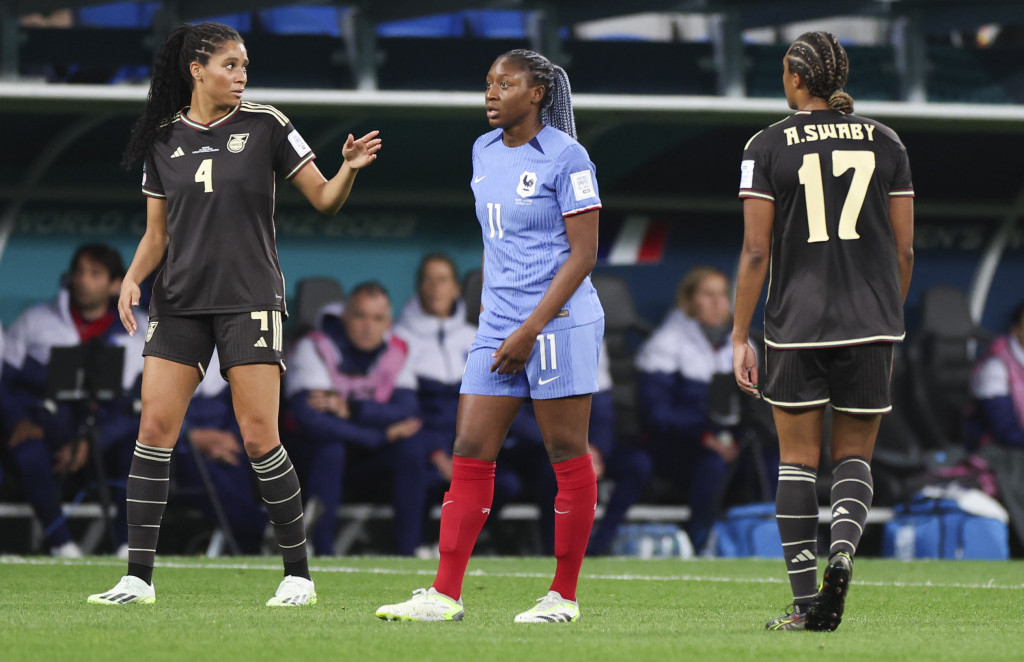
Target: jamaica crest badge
[{"x": 236, "y": 142}]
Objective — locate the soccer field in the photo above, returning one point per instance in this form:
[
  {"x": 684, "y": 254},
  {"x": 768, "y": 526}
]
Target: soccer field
[{"x": 632, "y": 610}]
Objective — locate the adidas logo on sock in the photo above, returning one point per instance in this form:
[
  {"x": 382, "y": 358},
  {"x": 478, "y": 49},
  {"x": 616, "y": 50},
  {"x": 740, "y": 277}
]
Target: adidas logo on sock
[
  {"x": 839, "y": 511},
  {"x": 804, "y": 555},
  {"x": 260, "y": 343},
  {"x": 178, "y": 152}
]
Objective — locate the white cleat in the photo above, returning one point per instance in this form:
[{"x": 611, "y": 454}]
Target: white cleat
[
  {"x": 424, "y": 605},
  {"x": 293, "y": 592},
  {"x": 130, "y": 590},
  {"x": 552, "y": 608},
  {"x": 68, "y": 550}
]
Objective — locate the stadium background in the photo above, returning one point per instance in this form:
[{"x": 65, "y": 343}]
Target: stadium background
[{"x": 666, "y": 97}]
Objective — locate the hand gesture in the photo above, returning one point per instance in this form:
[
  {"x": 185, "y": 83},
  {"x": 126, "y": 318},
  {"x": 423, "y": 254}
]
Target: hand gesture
[
  {"x": 744, "y": 367},
  {"x": 511, "y": 357},
  {"x": 361, "y": 153},
  {"x": 130, "y": 294}
]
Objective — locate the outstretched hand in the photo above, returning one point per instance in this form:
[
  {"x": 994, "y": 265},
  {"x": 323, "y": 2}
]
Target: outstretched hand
[
  {"x": 362, "y": 152},
  {"x": 129, "y": 297}
]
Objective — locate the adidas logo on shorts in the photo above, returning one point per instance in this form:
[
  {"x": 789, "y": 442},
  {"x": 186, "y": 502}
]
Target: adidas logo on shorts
[{"x": 260, "y": 343}]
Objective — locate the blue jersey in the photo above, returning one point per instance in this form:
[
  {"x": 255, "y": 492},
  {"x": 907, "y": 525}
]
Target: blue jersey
[{"x": 523, "y": 194}]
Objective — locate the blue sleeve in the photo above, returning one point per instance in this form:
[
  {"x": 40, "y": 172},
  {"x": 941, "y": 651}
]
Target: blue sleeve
[
  {"x": 602, "y": 423},
  {"x": 576, "y": 182},
  {"x": 323, "y": 426},
  {"x": 664, "y": 414},
  {"x": 1001, "y": 421},
  {"x": 402, "y": 405}
]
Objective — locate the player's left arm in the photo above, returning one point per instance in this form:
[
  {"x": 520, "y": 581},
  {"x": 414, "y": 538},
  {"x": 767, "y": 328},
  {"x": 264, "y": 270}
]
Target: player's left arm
[
  {"x": 581, "y": 231},
  {"x": 328, "y": 195},
  {"x": 758, "y": 221},
  {"x": 901, "y": 217}
]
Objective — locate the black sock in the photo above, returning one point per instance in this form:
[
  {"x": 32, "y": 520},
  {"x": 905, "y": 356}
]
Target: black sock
[
  {"x": 796, "y": 512},
  {"x": 852, "y": 490},
  {"x": 279, "y": 487},
  {"x": 148, "y": 484}
]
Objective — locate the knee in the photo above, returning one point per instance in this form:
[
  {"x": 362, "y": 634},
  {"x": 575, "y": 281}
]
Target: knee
[{"x": 158, "y": 430}]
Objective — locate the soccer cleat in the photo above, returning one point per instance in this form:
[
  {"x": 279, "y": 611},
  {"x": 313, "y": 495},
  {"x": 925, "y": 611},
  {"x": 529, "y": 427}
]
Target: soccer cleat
[
  {"x": 552, "y": 608},
  {"x": 424, "y": 605},
  {"x": 826, "y": 611},
  {"x": 795, "y": 619},
  {"x": 293, "y": 592},
  {"x": 130, "y": 590}
]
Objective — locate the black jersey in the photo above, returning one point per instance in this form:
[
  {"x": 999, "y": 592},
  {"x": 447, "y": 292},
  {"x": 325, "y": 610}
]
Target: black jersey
[
  {"x": 219, "y": 182},
  {"x": 834, "y": 278}
]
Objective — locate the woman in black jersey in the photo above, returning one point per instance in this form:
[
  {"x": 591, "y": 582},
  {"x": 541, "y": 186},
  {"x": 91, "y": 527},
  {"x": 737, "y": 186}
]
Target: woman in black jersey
[
  {"x": 210, "y": 165},
  {"x": 828, "y": 209}
]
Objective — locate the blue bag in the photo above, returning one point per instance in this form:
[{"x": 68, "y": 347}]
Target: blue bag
[
  {"x": 927, "y": 528},
  {"x": 747, "y": 531}
]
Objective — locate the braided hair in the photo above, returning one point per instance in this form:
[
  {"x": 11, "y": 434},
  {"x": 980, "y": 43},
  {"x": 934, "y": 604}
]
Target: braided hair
[
  {"x": 822, "y": 62},
  {"x": 556, "y": 106},
  {"x": 171, "y": 86}
]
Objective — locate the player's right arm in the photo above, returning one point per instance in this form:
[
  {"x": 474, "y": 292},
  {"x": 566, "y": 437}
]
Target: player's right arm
[
  {"x": 758, "y": 221},
  {"x": 147, "y": 257}
]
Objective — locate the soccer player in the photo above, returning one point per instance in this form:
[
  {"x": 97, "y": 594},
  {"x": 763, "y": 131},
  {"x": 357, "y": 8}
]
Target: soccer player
[
  {"x": 540, "y": 329},
  {"x": 210, "y": 162},
  {"x": 828, "y": 207}
]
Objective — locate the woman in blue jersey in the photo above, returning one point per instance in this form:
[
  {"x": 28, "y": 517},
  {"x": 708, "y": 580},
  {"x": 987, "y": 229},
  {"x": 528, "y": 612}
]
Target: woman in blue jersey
[{"x": 540, "y": 330}]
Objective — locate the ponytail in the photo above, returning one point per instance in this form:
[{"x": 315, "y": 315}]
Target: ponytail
[
  {"x": 171, "y": 86},
  {"x": 556, "y": 106}
]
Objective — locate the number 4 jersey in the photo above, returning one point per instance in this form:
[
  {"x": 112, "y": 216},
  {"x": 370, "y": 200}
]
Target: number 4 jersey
[
  {"x": 219, "y": 181},
  {"x": 834, "y": 278},
  {"x": 523, "y": 196}
]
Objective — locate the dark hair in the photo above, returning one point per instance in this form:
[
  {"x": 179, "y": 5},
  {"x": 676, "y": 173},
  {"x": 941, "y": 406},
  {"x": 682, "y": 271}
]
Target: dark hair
[
  {"x": 370, "y": 288},
  {"x": 556, "y": 106},
  {"x": 171, "y": 87},
  {"x": 434, "y": 257},
  {"x": 103, "y": 254},
  {"x": 1017, "y": 317},
  {"x": 822, "y": 62}
]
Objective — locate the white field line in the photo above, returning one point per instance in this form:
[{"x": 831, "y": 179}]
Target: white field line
[{"x": 198, "y": 565}]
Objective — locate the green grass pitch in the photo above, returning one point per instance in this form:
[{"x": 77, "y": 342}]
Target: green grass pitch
[{"x": 632, "y": 610}]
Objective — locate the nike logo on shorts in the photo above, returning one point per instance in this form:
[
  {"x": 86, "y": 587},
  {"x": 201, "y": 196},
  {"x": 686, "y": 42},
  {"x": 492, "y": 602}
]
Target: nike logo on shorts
[
  {"x": 477, "y": 180},
  {"x": 542, "y": 382}
]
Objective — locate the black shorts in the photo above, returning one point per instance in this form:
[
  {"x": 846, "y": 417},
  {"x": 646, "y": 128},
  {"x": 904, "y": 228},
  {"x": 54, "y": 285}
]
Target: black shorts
[
  {"x": 854, "y": 378},
  {"x": 240, "y": 339}
]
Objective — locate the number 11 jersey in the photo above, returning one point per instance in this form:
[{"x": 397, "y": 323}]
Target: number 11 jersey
[
  {"x": 523, "y": 196},
  {"x": 833, "y": 275}
]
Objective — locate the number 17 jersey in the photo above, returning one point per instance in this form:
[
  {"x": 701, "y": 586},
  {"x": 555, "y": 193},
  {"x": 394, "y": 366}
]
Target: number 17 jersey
[
  {"x": 833, "y": 276},
  {"x": 523, "y": 196}
]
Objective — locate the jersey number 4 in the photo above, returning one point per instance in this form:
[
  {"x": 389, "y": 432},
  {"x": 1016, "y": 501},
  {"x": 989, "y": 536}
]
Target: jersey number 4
[
  {"x": 863, "y": 165},
  {"x": 204, "y": 175}
]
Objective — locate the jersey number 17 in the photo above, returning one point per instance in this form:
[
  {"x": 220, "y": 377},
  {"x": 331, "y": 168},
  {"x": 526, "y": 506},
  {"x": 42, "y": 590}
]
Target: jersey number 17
[{"x": 863, "y": 165}]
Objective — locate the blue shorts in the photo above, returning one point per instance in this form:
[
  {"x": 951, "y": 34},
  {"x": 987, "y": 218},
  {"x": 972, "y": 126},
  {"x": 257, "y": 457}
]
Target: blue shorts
[{"x": 562, "y": 363}]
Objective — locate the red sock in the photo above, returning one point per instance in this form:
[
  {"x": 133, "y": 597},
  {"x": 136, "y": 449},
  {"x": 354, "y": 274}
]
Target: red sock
[
  {"x": 463, "y": 513},
  {"x": 574, "y": 517}
]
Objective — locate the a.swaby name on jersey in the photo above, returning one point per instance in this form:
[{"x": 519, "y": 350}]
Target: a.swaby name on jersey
[{"x": 839, "y": 131}]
